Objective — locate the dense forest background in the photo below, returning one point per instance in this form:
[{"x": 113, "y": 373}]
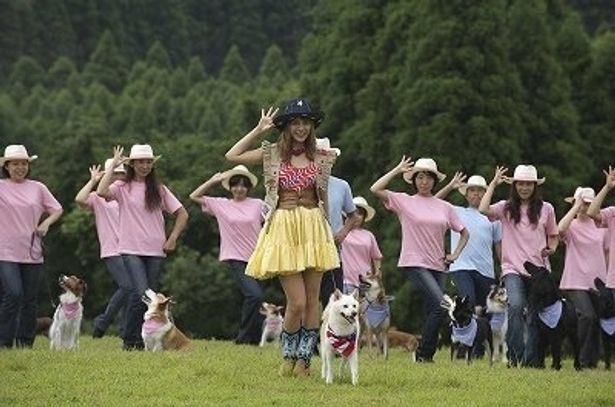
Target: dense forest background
[{"x": 472, "y": 84}]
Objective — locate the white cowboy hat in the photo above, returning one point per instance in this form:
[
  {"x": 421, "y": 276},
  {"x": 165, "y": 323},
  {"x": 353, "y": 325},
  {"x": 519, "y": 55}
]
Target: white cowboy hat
[
  {"x": 586, "y": 194},
  {"x": 473, "y": 181},
  {"x": 526, "y": 173},
  {"x": 325, "y": 144},
  {"x": 424, "y": 164},
  {"x": 142, "y": 152},
  {"x": 238, "y": 170},
  {"x": 16, "y": 152},
  {"x": 109, "y": 163},
  {"x": 361, "y": 202}
]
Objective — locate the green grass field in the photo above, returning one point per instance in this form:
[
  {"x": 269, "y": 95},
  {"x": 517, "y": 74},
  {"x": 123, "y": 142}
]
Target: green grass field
[{"x": 221, "y": 373}]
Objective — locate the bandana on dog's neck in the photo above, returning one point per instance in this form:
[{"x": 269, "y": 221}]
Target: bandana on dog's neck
[
  {"x": 70, "y": 309},
  {"x": 608, "y": 325},
  {"x": 497, "y": 321},
  {"x": 466, "y": 335},
  {"x": 376, "y": 314},
  {"x": 151, "y": 326},
  {"x": 551, "y": 315},
  {"x": 273, "y": 323},
  {"x": 344, "y": 345}
]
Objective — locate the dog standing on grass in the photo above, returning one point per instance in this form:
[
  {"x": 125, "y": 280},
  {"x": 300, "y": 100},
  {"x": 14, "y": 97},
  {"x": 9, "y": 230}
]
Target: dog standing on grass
[
  {"x": 272, "y": 325},
  {"x": 66, "y": 326},
  {"x": 339, "y": 334},
  {"x": 158, "y": 332},
  {"x": 606, "y": 314},
  {"x": 375, "y": 312},
  {"x": 497, "y": 303}
]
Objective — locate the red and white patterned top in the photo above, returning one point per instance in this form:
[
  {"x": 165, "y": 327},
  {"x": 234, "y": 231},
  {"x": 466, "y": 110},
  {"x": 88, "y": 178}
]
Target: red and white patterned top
[{"x": 297, "y": 179}]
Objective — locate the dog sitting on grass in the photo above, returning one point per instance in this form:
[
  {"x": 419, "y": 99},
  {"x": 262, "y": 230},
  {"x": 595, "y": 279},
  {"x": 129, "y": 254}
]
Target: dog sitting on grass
[
  {"x": 158, "y": 331},
  {"x": 65, "y": 328}
]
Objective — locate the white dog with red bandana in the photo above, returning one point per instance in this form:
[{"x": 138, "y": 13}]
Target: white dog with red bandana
[{"x": 339, "y": 333}]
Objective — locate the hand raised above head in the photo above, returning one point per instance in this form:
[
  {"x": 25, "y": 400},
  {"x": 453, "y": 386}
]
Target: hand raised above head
[{"x": 266, "y": 121}]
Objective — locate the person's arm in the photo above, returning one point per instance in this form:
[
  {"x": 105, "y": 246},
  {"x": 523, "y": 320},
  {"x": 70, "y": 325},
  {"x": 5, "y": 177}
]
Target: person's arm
[
  {"x": 43, "y": 227},
  {"x": 485, "y": 203},
  {"x": 181, "y": 219},
  {"x": 379, "y": 187},
  {"x": 239, "y": 153},
  {"x": 198, "y": 194},
  {"x": 82, "y": 196},
  {"x": 455, "y": 183},
  {"x": 594, "y": 208},
  {"x": 565, "y": 222},
  {"x": 464, "y": 236},
  {"x": 352, "y": 220},
  {"x": 552, "y": 242},
  {"x": 498, "y": 250},
  {"x": 105, "y": 182}
]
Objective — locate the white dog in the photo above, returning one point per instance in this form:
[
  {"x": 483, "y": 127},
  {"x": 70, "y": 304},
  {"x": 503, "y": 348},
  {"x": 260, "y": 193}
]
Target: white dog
[
  {"x": 272, "y": 325},
  {"x": 340, "y": 333},
  {"x": 158, "y": 331},
  {"x": 497, "y": 301},
  {"x": 66, "y": 325}
]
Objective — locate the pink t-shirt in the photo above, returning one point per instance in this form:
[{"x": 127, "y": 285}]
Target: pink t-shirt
[
  {"x": 424, "y": 222},
  {"x": 107, "y": 215},
  {"x": 524, "y": 241},
  {"x": 359, "y": 248},
  {"x": 585, "y": 260},
  {"x": 21, "y": 206},
  {"x": 608, "y": 221},
  {"x": 141, "y": 231},
  {"x": 239, "y": 223}
]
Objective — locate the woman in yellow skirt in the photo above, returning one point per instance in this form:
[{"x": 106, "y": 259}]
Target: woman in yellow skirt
[{"x": 296, "y": 244}]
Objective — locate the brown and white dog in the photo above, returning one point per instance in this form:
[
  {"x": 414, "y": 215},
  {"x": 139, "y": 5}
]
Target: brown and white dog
[
  {"x": 404, "y": 340},
  {"x": 497, "y": 302},
  {"x": 158, "y": 332},
  {"x": 375, "y": 312},
  {"x": 272, "y": 325},
  {"x": 66, "y": 325}
]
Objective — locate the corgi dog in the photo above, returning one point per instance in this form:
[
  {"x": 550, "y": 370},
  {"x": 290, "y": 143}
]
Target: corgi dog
[
  {"x": 273, "y": 323},
  {"x": 158, "y": 331},
  {"x": 497, "y": 302},
  {"x": 468, "y": 329},
  {"x": 375, "y": 312},
  {"x": 339, "y": 333},
  {"x": 557, "y": 319},
  {"x": 66, "y": 325}
]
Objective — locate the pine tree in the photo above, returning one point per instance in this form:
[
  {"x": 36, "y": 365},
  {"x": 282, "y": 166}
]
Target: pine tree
[
  {"x": 60, "y": 72},
  {"x": 158, "y": 57},
  {"x": 106, "y": 65},
  {"x": 234, "y": 69}
]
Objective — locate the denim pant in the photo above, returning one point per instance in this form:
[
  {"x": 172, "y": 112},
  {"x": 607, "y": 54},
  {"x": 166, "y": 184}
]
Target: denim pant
[
  {"x": 430, "y": 284},
  {"x": 472, "y": 284},
  {"x": 20, "y": 283},
  {"x": 144, "y": 272},
  {"x": 251, "y": 323},
  {"x": 115, "y": 266},
  {"x": 331, "y": 280},
  {"x": 588, "y": 327},
  {"x": 520, "y": 350}
]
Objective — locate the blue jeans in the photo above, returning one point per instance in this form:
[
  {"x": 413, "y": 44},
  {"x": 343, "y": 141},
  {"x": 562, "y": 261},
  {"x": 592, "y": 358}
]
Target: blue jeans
[
  {"x": 430, "y": 284},
  {"x": 20, "y": 283},
  {"x": 251, "y": 323},
  {"x": 144, "y": 272},
  {"x": 588, "y": 327},
  {"x": 117, "y": 269},
  {"x": 472, "y": 284},
  {"x": 520, "y": 350}
]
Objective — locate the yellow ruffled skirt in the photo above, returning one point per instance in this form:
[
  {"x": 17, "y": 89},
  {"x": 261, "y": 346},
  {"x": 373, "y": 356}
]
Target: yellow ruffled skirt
[{"x": 292, "y": 241}]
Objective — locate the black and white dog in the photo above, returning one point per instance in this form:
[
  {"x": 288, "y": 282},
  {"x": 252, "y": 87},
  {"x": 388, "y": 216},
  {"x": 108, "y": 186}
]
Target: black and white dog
[
  {"x": 557, "y": 319},
  {"x": 606, "y": 313},
  {"x": 468, "y": 329}
]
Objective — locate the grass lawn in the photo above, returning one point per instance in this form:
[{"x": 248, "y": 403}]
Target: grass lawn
[{"x": 221, "y": 373}]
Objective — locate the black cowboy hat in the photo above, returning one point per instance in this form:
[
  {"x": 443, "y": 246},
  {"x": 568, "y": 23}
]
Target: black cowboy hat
[{"x": 298, "y": 108}]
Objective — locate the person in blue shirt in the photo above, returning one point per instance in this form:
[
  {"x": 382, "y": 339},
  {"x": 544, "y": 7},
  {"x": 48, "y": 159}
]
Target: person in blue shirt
[{"x": 473, "y": 272}]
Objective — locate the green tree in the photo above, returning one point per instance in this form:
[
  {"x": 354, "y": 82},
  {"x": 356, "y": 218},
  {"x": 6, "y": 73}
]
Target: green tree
[
  {"x": 234, "y": 69},
  {"x": 106, "y": 64}
]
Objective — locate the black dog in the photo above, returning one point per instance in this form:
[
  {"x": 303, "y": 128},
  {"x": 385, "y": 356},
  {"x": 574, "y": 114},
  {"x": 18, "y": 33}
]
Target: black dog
[
  {"x": 606, "y": 313},
  {"x": 468, "y": 330},
  {"x": 557, "y": 318}
]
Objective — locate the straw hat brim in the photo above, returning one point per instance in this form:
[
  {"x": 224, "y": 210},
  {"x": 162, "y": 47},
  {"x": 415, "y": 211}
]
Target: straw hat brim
[
  {"x": 571, "y": 200},
  {"x": 4, "y": 160},
  {"x": 538, "y": 181},
  {"x": 408, "y": 175},
  {"x": 128, "y": 160},
  {"x": 232, "y": 172},
  {"x": 464, "y": 188},
  {"x": 371, "y": 212}
]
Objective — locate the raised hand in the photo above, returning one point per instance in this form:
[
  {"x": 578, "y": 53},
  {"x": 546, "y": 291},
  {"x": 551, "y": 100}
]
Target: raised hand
[
  {"x": 118, "y": 156},
  {"x": 95, "y": 173},
  {"x": 499, "y": 175},
  {"x": 610, "y": 177},
  {"x": 458, "y": 180},
  {"x": 266, "y": 121},
  {"x": 217, "y": 177},
  {"x": 404, "y": 165}
]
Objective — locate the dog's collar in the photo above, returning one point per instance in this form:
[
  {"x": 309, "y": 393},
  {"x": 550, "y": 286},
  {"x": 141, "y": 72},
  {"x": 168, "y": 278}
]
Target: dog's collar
[
  {"x": 551, "y": 314},
  {"x": 376, "y": 313},
  {"x": 273, "y": 323},
  {"x": 466, "y": 334},
  {"x": 497, "y": 320},
  {"x": 151, "y": 326},
  {"x": 70, "y": 309},
  {"x": 344, "y": 345},
  {"x": 608, "y": 325}
]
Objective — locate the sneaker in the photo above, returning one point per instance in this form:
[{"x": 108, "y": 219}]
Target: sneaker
[{"x": 97, "y": 333}]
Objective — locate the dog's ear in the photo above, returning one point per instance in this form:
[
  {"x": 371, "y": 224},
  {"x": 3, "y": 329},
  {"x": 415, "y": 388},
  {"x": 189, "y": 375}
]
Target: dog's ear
[
  {"x": 280, "y": 308},
  {"x": 337, "y": 294},
  {"x": 355, "y": 294},
  {"x": 599, "y": 283},
  {"x": 531, "y": 268}
]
